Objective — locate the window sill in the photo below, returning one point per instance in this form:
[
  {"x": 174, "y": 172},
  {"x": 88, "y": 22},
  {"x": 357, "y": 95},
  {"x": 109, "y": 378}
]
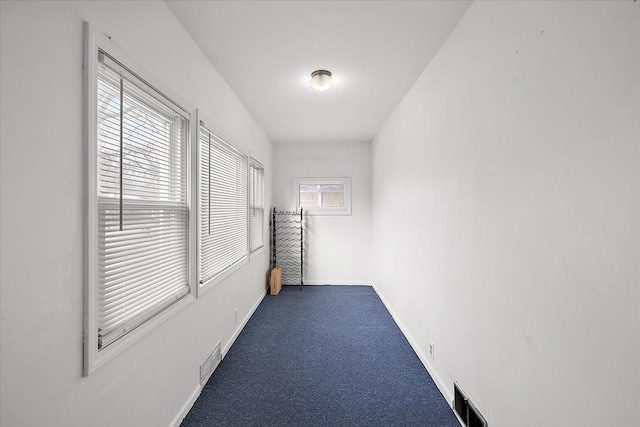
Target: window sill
[
  {"x": 101, "y": 357},
  {"x": 257, "y": 252},
  {"x": 221, "y": 276}
]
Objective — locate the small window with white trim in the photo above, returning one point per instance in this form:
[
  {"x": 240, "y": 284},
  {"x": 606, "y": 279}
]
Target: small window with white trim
[{"x": 323, "y": 196}]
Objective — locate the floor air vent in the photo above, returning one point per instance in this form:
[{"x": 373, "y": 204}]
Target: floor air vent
[
  {"x": 468, "y": 413},
  {"x": 210, "y": 364}
]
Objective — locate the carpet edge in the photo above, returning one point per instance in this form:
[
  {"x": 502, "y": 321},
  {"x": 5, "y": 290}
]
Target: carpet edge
[{"x": 335, "y": 283}]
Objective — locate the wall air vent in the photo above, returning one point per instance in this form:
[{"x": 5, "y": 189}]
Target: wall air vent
[
  {"x": 465, "y": 410},
  {"x": 210, "y": 364}
]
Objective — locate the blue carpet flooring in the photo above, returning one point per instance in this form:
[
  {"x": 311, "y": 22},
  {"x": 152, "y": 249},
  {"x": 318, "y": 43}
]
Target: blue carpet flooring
[{"x": 323, "y": 356}]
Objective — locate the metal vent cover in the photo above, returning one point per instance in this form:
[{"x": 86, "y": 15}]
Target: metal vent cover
[{"x": 468, "y": 413}]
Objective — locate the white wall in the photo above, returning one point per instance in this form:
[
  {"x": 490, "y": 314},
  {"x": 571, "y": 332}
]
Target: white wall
[
  {"x": 516, "y": 159},
  {"x": 42, "y": 204},
  {"x": 337, "y": 247}
]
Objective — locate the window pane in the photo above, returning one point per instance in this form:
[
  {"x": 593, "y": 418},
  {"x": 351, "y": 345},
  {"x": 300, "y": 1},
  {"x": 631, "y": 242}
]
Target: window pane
[
  {"x": 333, "y": 199},
  {"x": 223, "y": 205},
  {"x": 142, "y": 206},
  {"x": 327, "y": 195}
]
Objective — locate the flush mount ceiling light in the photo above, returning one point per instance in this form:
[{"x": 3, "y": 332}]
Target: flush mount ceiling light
[{"x": 320, "y": 80}]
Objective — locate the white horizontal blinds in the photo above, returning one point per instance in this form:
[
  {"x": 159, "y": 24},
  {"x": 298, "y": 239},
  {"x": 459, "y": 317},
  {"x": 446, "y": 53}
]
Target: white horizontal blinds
[
  {"x": 142, "y": 203},
  {"x": 256, "y": 205},
  {"x": 223, "y": 205}
]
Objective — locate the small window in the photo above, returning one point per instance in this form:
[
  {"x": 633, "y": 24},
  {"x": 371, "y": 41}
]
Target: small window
[{"x": 323, "y": 196}]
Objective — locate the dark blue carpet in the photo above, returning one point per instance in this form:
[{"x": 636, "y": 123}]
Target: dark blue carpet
[{"x": 323, "y": 356}]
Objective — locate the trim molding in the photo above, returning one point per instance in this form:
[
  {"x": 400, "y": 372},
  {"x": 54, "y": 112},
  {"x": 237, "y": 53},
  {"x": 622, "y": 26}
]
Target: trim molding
[
  {"x": 186, "y": 407},
  {"x": 421, "y": 355},
  {"x": 335, "y": 283},
  {"x": 242, "y": 324}
]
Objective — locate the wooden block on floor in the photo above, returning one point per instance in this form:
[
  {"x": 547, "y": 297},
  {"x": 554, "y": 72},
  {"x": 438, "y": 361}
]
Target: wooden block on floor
[{"x": 276, "y": 280}]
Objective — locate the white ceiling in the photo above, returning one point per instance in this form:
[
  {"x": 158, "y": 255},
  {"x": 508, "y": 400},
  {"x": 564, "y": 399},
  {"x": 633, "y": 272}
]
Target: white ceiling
[{"x": 266, "y": 51}]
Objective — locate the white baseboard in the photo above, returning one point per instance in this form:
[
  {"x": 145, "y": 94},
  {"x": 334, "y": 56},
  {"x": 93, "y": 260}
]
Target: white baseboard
[
  {"x": 242, "y": 324},
  {"x": 186, "y": 407},
  {"x": 421, "y": 355},
  {"x": 335, "y": 283},
  {"x": 196, "y": 393}
]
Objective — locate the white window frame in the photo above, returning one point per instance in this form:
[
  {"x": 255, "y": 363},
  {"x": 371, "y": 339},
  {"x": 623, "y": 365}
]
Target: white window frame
[
  {"x": 324, "y": 210},
  {"x": 252, "y": 162},
  {"x": 94, "y": 42},
  {"x": 220, "y": 276}
]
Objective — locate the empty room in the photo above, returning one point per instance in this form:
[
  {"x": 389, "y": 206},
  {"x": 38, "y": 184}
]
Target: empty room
[{"x": 319, "y": 213}]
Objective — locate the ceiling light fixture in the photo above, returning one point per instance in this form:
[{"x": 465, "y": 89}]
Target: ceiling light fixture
[{"x": 320, "y": 80}]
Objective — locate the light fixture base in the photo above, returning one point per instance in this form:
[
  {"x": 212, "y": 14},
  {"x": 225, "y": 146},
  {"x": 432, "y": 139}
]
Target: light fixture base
[{"x": 321, "y": 80}]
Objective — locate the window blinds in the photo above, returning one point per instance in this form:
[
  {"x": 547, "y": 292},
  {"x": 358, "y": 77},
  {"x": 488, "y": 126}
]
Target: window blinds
[
  {"x": 223, "y": 205},
  {"x": 256, "y": 205},
  {"x": 142, "y": 202}
]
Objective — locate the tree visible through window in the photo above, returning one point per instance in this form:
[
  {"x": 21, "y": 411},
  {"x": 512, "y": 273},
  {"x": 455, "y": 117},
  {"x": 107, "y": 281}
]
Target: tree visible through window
[{"x": 143, "y": 217}]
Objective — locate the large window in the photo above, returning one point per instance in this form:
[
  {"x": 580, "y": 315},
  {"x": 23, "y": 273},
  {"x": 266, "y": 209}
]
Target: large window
[
  {"x": 169, "y": 204},
  {"x": 323, "y": 196},
  {"x": 138, "y": 224},
  {"x": 256, "y": 205},
  {"x": 223, "y": 215}
]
